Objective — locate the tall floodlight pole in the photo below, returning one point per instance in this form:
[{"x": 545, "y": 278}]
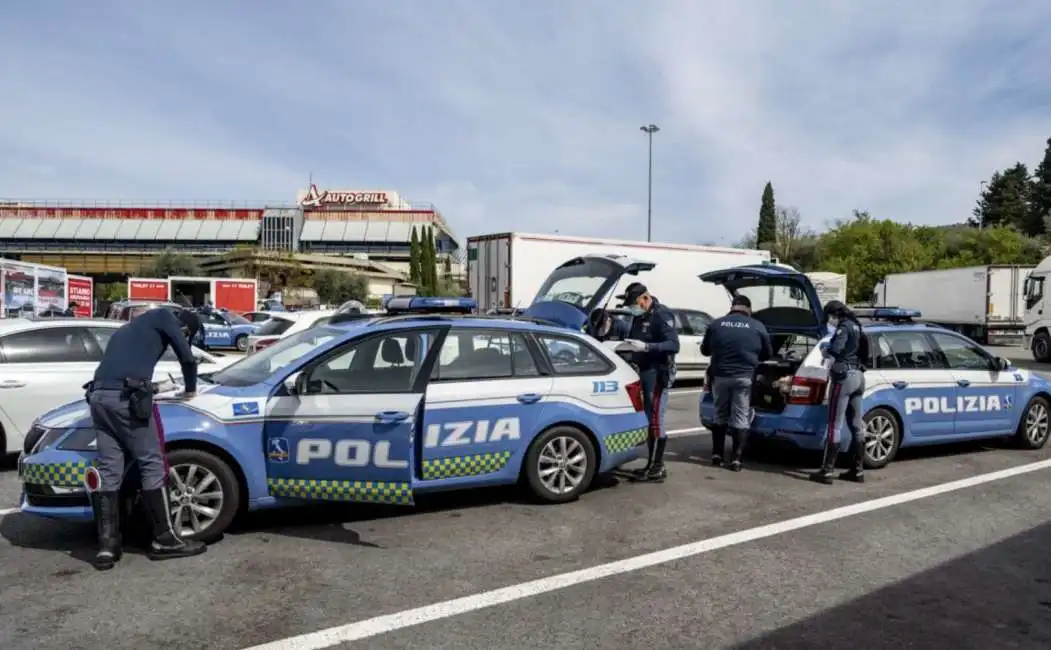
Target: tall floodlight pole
[{"x": 649, "y": 131}]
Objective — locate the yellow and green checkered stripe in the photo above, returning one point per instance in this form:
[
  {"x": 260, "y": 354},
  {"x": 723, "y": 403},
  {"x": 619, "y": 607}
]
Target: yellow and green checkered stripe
[
  {"x": 352, "y": 491},
  {"x": 61, "y": 474},
  {"x": 625, "y": 440},
  {"x": 458, "y": 466}
]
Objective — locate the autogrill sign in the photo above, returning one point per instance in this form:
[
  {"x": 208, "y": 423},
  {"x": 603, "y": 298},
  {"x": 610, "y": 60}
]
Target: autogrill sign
[{"x": 317, "y": 198}]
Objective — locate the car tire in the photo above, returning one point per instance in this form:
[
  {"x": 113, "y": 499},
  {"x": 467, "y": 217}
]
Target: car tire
[
  {"x": 883, "y": 425},
  {"x": 1042, "y": 347},
  {"x": 241, "y": 342},
  {"x": 1035, "y": 424},
  {"x": 545, "y": 452}
]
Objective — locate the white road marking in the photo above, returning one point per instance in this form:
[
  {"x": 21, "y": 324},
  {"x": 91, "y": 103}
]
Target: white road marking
[
  {"x": 399, "y": 620},
  {"x": 685, "y": 432},
  {"x": 685, "y": 391},
  {"x": 11, "y": 511}
]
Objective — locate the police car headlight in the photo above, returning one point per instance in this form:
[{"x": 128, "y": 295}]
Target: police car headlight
[{"x": 80, "y": 440}]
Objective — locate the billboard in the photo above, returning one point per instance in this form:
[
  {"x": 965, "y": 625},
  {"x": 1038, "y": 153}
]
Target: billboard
[
  {"x": 19, "y": 287},
  {"x": 80, "y": 289},
  {"x": 148, "y": 289}
]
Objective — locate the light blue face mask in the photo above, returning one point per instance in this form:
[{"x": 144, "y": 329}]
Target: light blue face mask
[
  {"x": 831, "y": 328},
  {"x": 636, "y": 310}
]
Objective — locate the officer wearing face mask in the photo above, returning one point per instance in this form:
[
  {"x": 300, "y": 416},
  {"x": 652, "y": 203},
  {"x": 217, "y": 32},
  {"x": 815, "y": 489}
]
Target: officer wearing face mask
[
  {"x": 845, "y": 355},
  {"x": 653, "y": 336}
]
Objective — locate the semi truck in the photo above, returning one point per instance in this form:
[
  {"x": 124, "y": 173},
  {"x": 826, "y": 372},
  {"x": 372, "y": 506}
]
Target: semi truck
[
  {"x": 237, "y": 295},
  {"x": 1037, "y": 310},
  {"x": 986, "y": 303},
  {"x": 506, "y": 270}
]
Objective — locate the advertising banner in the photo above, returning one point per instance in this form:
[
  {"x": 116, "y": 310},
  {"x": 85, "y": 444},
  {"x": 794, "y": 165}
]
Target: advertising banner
[
  {"x": 148, "y": 289},
  {"x": 81, "y": 290},
  {"x": 19, "y": 288},
  {"x": 51, "y": 290}
]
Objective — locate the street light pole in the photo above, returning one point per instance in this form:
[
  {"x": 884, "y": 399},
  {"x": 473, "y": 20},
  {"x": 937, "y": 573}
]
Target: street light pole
[{"x": 649, "y": 131}]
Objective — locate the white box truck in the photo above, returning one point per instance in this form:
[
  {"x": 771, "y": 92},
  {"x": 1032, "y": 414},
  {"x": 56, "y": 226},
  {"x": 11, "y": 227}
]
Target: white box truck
[
  {"x": 829, "y": 285},
  {"x": 505, "y": 270},
  {"x": 986, "y": 303}
]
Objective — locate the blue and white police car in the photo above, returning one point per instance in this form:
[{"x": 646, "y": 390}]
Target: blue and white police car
[
  {"x": 223, "y": 329},
  {"x": 925, "y": 385},
  {"x": 380, "y": 410}
]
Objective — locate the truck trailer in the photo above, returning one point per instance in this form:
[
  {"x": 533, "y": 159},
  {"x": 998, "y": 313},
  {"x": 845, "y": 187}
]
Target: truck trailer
[
  {"x": 237, "y": 295},
  {"x": 986, "y": 303},
  {"x": 829, "y": 286},
  {"x": 506, "y": 270}
]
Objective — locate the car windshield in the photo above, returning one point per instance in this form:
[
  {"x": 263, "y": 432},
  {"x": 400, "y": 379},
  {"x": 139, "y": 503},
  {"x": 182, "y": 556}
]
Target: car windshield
[
  {"x": 237, "y": 320},
  {"x": 260, "y": 366},
  {"x": 274, "y": 327},
  {"x": 769, "y": 296},
  {"x": 576, "y": 284}
]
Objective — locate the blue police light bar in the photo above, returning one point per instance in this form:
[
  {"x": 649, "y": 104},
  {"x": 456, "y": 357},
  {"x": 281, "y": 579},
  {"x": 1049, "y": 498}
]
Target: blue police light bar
[
  {"x": 888, "y": 313},
  {"x": 430, "y": 305}
]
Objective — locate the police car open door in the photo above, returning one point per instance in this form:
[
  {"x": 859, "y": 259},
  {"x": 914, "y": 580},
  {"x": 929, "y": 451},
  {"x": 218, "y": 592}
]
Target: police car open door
[
  {"x": 580, "y": 285},
  {"x": 346, "y": 432}
]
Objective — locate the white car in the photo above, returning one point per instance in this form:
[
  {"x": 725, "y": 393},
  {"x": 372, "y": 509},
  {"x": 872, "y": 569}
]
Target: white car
[
  {"x": 286, "y": 323},
  {"x": 45, "y": 363}
]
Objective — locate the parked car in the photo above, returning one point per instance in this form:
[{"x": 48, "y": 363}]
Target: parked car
[
  {"x": 222, "y": 329},
  {"x": 125, "y": 310},
  {"x": 285, "y": 324},
  {"x": 46, "y": 362}
]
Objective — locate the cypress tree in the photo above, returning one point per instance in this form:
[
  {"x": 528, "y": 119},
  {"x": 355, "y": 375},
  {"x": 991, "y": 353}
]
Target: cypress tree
[
  {"x": 766, "y": 231},
  {"x": 414, "y": 257}
]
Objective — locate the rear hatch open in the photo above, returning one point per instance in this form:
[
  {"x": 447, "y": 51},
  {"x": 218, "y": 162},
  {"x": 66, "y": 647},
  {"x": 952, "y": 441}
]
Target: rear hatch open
[{"x": 787, "y": 304}]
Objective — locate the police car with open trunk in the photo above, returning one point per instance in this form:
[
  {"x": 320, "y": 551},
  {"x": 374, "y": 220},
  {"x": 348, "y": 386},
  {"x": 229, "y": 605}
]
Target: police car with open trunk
[
  {"x": 924, "y": 385},
  {"x": 383, "y": 409}
]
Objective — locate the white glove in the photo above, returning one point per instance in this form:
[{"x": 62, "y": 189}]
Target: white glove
[{"x": 637, "y": 345}]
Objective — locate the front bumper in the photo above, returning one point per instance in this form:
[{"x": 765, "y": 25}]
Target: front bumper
[{"x": 53, "y": 485}]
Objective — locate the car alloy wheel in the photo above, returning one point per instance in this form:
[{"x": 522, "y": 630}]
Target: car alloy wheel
[
  {"x": 195, "y": 498},
  {"x": 562, "y": 465},
  {"x": 882, "y": 438},
  {"x": 1035, "y": 424}
]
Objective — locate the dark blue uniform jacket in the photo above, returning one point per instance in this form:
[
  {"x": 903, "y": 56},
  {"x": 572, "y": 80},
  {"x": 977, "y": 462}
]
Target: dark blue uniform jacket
[
  {"x": 845, "y": 349},
  {"x": 655, "y": 327},
  {"x": 134, "y": 350},
  {"x": 736, "y": 344}
]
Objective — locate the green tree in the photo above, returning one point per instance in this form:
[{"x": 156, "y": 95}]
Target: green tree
[
  {"x": 766, "y": 231},
  {"x": 1005, "y": 201},
  {"x": 170, "y": 263},
  {"x": 414, "y": 257},
  {"x": 428, "y": 270},
  {"x": 1040, "y": 196},
  {"x": 447, "y": 268},
  {"x": 335, "y": 287}
]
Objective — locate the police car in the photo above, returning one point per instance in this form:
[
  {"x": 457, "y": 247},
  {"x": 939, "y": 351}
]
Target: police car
[
  {"x": 925, "y": 385},
  {"x": 375, "y": 410},
  {"x": 222, "y": 329}
]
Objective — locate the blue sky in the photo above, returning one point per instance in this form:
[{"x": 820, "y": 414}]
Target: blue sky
[{"x": 524, "y": 115}]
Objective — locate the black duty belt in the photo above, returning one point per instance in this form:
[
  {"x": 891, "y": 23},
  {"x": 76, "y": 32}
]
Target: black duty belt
[{"x": 121, "y": 384}]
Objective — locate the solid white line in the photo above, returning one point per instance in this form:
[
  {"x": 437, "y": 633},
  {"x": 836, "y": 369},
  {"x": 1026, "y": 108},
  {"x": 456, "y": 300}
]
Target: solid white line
[
  {"x": 684, "y": 432},
  {"x": 438, "y": 611},
  {"x": 11, "y": 511},
  {"x": 685, "y": 391}
]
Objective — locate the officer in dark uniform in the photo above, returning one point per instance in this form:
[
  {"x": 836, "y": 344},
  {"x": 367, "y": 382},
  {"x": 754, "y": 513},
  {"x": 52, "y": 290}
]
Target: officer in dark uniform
[
  {"x": 736, "y": 344},
  {"x": 847, "y": 351},
  {"x": 71, "y": 310},
  {"x": 121, "y": 401},
  {"x": 653, "y": 334}
]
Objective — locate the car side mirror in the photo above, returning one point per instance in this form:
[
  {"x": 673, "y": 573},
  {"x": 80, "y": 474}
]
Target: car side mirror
[
  {"x": 295, "y": 383},
  {"x": 1001, "y": 363}
]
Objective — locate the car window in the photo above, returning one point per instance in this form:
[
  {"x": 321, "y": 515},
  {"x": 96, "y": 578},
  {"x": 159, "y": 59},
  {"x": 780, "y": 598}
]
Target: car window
[
  {"x": 261, "y": 365},
  {"x": 215, "y": 319},
  {"x": 47, "y": 345},
  {"x": 257, "y": 316},
  {"x": 237, "y": 320},
  {"x": 573, "y": 357},
  {"x": 961, "y": 354},
  {"x": 473, "y": 354},
  {"x": 387, "y": 363},
  {"x": 697, "y": 321},
  {"x": 906, "y": 350},
  {"x": 274, "y": 327}
]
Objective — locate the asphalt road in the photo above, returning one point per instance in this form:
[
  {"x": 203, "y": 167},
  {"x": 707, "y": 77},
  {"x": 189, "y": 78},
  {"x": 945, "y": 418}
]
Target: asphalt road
[{"x": 961, "y": 569}]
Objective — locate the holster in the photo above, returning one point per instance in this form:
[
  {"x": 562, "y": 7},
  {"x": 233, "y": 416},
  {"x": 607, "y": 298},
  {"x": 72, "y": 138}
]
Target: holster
[{"x": 139, "y": 394}]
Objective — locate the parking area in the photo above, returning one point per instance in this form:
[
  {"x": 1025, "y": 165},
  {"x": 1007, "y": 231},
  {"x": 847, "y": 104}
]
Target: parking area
[{"x": 703, "y": 560}]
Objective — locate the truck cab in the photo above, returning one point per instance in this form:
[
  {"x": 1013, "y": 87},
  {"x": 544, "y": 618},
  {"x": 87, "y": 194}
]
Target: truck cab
[{"x": 1037, "y": 316}]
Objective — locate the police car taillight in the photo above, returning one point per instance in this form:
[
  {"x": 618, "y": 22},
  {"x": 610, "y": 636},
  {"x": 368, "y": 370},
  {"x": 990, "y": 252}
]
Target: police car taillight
[
  {"x": 806, "y": 391},
  {"x": 635, "y": 394}
]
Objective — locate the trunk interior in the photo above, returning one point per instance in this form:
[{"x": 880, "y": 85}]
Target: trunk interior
[{"x": 774, "y": 376}]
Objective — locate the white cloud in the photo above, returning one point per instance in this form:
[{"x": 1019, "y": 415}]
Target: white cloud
[{"x": 525, "y": 116}]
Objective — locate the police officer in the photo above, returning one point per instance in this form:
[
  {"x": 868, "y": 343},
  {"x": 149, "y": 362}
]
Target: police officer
[
  {"x": 736, "y": 344},
  {"x": 71, "y": 310},
  {"x": 655, "y": 340},
  {"x": 846, "y": 351},
  {"x": 121, "y": 401}
]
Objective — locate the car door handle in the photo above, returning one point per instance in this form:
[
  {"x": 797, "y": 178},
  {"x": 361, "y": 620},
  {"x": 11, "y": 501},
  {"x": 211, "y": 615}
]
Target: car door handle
[
  {"x": 529, "y": 398},
  {"x": 392, "y": 416},
  {"x": 963, "y": 382},
  {"x": 900, "y": 384},
  {"x": 12, "y": 383}
]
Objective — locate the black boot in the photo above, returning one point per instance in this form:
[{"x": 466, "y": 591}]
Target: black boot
[
  {"x": 166, "y": 544},
  {"x": 739, "y": 436},
  {"x": 856, "y": 473},
  {"x": 641, "y": 474},
  {"x": 657, "y": 473},
  {"x": 106, "y": 507},
  {"x": 718, "y": 444},
  {"x": 826, "y": 474}
]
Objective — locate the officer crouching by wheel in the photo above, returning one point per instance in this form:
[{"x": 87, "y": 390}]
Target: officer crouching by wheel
[
  {"x": 847, "y": 352},
  {"x": 655, "y": 342},
  {"x": 121, "y": 401}
]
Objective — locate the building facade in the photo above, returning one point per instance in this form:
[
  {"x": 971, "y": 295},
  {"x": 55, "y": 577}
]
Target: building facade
[{"x": 118, "y": 238}]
